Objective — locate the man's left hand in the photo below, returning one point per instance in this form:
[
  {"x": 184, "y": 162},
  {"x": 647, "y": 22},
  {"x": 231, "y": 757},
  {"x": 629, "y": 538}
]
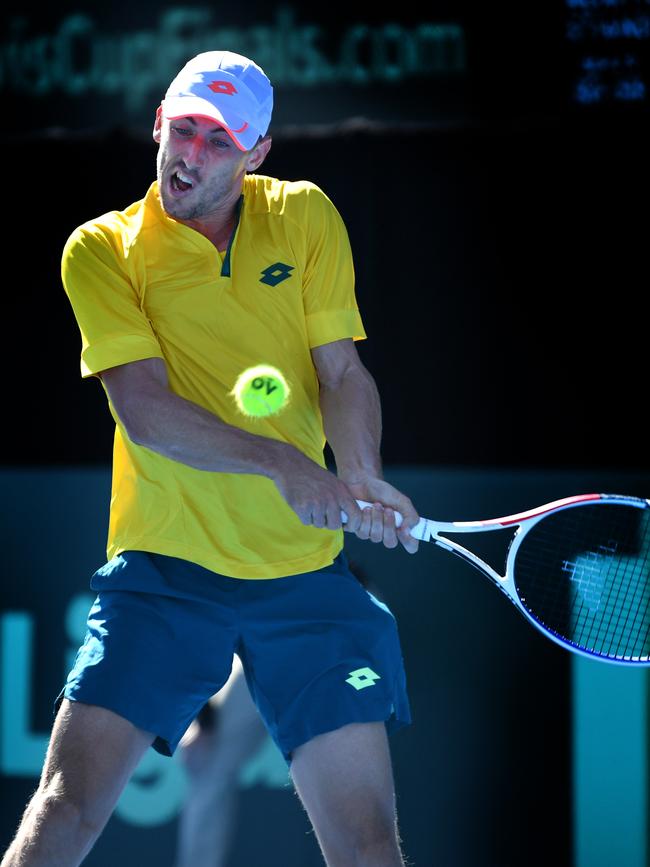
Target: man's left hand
[{"x": 378, "y": 523}]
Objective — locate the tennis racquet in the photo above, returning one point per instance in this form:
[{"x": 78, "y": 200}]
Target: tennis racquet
[{"x": 578, "y": 569}]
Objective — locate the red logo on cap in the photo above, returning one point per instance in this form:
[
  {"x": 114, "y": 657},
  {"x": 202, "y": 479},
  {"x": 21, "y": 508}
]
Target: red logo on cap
[{"x": 223, "y": 87}]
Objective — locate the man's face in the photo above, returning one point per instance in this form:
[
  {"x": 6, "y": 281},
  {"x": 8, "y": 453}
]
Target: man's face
[{"x": 200, "y": 169}]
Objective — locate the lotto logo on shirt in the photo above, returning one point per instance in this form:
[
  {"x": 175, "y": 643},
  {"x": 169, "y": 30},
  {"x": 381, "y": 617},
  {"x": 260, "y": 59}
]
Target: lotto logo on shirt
[{"x": 276, "y": 273}]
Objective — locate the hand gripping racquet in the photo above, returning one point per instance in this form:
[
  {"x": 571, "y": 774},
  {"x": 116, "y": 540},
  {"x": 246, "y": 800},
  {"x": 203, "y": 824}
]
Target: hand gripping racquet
[{"x": 577, "y": 568}]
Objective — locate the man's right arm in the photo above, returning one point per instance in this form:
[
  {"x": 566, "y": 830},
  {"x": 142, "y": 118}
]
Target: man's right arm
[{"x": 156, "y": 418}]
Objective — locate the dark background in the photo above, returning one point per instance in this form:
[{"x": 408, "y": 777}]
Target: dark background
[
  {"x": 498, "y": 236},
  {"x": 497, "y": 217}
]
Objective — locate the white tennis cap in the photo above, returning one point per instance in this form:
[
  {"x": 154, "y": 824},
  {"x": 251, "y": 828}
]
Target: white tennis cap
[{"x": 228, "y": 88}]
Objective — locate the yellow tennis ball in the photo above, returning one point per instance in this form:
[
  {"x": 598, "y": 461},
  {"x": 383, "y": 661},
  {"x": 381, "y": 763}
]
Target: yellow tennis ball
[{"x": 261, "y": 391}]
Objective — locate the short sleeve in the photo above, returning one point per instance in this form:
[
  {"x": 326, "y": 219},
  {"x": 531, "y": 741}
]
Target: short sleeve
[
  {"x": 114, "y": 329},
  {"x": 331, "y": 309}
]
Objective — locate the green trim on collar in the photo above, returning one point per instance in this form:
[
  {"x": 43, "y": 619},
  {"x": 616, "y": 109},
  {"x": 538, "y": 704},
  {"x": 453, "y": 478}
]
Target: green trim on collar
[{"x": 225, "y": 267}]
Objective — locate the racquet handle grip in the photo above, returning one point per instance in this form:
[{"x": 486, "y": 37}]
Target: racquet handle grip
[{"x": 417, "y": 532}]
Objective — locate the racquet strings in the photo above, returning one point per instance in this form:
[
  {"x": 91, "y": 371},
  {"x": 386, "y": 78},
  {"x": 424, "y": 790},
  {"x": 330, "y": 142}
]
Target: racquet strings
[{"x": 584, "y": 574}]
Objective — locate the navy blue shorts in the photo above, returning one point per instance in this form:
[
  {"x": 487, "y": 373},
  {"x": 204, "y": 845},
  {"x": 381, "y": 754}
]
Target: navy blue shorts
[{"x": 318, "y": 650}]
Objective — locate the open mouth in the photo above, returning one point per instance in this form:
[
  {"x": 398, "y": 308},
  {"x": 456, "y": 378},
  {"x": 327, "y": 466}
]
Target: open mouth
[{"x": 180, "y": 182}]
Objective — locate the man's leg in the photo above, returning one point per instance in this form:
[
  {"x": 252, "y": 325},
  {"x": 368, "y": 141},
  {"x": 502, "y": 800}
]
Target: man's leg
[
  {"x": 345, "y": 781},
  {"x": 91, "y": 755}
]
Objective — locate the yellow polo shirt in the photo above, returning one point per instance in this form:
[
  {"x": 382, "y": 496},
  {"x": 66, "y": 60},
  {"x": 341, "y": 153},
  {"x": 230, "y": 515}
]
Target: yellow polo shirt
[{"x": 143, "y": 285}]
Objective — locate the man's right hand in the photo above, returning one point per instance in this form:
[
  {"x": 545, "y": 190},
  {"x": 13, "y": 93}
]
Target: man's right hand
[{"x": 315, "y": 494}]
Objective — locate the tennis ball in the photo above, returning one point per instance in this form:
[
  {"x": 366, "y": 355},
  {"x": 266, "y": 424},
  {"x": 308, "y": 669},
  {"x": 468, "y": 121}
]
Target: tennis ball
[{"x": 261, "y": 391}]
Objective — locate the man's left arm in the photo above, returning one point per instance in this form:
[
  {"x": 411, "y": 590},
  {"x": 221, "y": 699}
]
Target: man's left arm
[{"x": 352, "y": 420}]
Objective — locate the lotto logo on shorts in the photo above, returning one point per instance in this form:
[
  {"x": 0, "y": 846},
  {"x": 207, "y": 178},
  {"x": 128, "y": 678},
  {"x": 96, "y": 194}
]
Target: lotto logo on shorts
[{"x": 362, "y": 677}]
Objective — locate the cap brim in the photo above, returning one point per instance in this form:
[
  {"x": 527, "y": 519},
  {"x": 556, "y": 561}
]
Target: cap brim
[{"x": 242, "y": 134}]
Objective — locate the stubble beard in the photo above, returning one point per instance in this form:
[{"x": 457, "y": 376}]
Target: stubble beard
[{"x": 204, "y": 199}]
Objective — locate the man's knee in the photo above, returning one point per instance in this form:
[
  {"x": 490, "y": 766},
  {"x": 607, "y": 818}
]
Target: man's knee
[
  {"x": 91, "y": 756},
  {"x": 54, "y": 814},
  {"x": 53, "y": 803},
  {"x": 378, "y": 850},
  {"x": 361, "y": 838},
  {"x": 368, "y": 824}
]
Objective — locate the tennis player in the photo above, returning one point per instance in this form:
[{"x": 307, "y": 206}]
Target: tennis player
[{"x": 225, "y": 532}]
